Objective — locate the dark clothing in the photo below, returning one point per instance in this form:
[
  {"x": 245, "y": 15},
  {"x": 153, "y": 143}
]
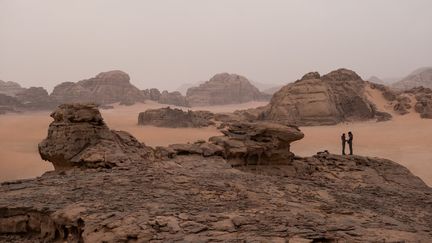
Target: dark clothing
[
  {"x": 350, "y": 142},
  {"x": 343, "y": 143}
]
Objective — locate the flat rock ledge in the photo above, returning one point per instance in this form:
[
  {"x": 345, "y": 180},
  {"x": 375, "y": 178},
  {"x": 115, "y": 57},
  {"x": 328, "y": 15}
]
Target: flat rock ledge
[{"x": 198, "y": 198}]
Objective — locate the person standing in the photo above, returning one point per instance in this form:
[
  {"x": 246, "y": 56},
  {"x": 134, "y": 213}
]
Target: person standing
[
  {"x": 350, "y": 142},
  {"x": 343, "y": 138}
]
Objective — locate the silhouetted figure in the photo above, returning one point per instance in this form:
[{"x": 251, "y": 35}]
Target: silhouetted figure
[
  {"x": 343, "y": 138},
  {"x": 350, "y": 142}
]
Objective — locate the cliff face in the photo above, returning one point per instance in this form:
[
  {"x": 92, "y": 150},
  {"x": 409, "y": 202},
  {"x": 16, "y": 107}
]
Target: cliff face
[
  {"x": 106, "y": 88},
  {"x": 195, "y": 195},
  {"x": 315, "y": 100},
  {"x": 224, "y": 89}
]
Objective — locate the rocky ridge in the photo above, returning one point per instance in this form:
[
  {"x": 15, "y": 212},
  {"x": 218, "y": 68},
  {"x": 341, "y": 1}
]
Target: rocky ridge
[{"x": 195, "y": 198}]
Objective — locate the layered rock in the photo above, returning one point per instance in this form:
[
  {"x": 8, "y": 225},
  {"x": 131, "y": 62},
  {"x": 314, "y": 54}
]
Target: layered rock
[
  {"x": 168, "y": 117},
  {"x": 224, "y": 89},
  {"x": 78, "y": 137},
  {"x": 420, "y": 77},
  {"x": 327, "y": 100},
  {"x": 324, "y": 198},
  {"x": 106, "y": 88},
  {"x": 244, "y": 143}
]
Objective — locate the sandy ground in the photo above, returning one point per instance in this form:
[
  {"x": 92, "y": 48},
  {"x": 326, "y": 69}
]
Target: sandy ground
[{"x": 406, "y": 139}]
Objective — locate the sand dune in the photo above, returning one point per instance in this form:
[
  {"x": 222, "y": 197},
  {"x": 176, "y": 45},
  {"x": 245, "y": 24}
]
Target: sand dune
[{"x": 405, "y": 139}]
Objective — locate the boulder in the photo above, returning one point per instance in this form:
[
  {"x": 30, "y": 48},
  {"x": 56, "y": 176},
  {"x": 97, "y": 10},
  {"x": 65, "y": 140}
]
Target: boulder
[
  {"x": 327, "y": 100},
  {"x": 106, "y": 88},
  {"x": 224, "y": 89},
  {"x": 78, "y": 137},
  {"x": 168, "y": 117}
]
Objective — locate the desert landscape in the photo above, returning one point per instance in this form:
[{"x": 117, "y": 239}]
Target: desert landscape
[
  {"x": 405, "y": 139},
  {"x": 218, "y": 121}
]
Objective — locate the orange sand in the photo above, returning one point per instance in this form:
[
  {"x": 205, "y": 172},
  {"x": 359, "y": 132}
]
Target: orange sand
[{"x": 406, "y": 139}]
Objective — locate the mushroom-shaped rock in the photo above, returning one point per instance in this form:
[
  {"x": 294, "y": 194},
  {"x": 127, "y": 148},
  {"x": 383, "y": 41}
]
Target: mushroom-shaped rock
[
  {"x": 78, "y": 137},
  {"x": 247, "y": 143}
]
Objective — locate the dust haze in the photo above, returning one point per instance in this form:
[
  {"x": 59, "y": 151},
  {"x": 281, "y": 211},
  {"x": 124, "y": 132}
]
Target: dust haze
[{"x": 165, "y": 44}]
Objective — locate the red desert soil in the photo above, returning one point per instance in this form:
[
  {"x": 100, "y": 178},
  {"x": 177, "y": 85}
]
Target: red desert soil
[{"x": 405, "y": 139}]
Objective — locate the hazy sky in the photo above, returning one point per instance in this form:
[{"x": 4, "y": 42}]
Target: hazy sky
[{"x": 164, "y": 43}]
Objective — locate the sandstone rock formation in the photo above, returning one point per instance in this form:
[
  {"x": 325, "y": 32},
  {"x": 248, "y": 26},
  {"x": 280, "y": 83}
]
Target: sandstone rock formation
[
  {"x": 152, "y": 94},
  {"x": 224, "y": 89},
  {"x": 423, "y": 103},
  {"x": 78, "y": 137},
  {"x": 327, "y": 100},
  {"x": 15, "y": 98},
  {"x": 173, "y": 98},
  {"x": 106, "y": 88},
  {"x": 169, "y": 98},
  {"x": 9, "y": 104},
  {"x": 324, "y": 198},
  {"x": 420, "y": 77},
  {"x": 167, "y": 117},
  {"x": 257, "y": 143},
  {"x": 10, "y": 88},
  {"x": 36, "y": 98}
]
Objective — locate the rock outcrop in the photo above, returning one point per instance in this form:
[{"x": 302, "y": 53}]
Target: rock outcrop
[
  {"x": 423, "y": 103},
  {"x": 168, "y": 98},
  {"x": 106, "y": 88},
  {"x": 257, "y": 143},
  {"x": 244, "y": 143},
  {"x": 194, "y": 198},
  {"x": 168, "y": 117},
  {"x": 420, "y": 77},
  {"x": 327, "y": 100},
  {"x": 78, "y": 137},
  {"x": 173, "y": 98},
  {"x": 36, "y": 98},
  {"x": 224, "y": 89}
]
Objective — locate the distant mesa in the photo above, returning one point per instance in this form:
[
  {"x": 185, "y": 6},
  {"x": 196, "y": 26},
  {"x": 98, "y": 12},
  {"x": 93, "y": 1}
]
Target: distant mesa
[
  {"x": 169, "y": 98},
  {"x": 420, "y": 77},
  {"x": 106, "y": 88},
  {"x": 14, "y": 98},
  {"x": 222, "y": 89}
]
